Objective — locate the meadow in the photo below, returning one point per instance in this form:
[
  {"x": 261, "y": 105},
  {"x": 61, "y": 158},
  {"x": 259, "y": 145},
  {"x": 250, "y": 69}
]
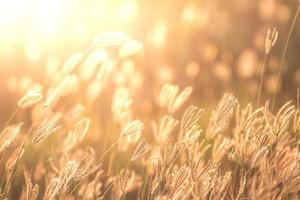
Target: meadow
[{"x": 165, "y": 117}]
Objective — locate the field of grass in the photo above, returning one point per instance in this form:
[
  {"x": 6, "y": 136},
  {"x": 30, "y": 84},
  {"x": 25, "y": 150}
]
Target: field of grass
[{"x": 106, "y": 124}]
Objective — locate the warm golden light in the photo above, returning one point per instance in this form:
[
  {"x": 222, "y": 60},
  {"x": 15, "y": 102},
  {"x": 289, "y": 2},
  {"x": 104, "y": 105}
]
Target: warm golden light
[
  {"x": 42, "y": 16},
  {"x": 149, "y": 99},
  {"x": 40, "y": 24}
]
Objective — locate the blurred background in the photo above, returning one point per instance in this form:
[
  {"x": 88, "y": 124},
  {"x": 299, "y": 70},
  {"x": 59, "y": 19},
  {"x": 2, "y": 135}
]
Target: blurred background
[{"x": 215, "y": 46}]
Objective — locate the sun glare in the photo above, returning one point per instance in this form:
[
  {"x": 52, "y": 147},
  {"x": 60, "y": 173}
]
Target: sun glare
[
  {"x": 32, "y": 14},
  {"x": 56, "y": 21}
]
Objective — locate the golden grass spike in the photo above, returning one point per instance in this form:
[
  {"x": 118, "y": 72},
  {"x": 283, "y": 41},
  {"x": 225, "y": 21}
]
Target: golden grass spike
[
  {"x": 271, "y": 38},
  {"x": 126, "y": 180},
  {"x": 52, "y": 97},
  {"x": 67, "y": 174},
  {"x": 140, "y": 150},
  {"x": 86, "y": 167},
  {"x": 164, "y": 128},
  {"x": 225, "y": 110},
  {"x": 180, "y": 99},
  {"x": 53, "y": 189},
  {"x": 13, "y": 158},
  {"x": 46, "y": 128},
  {"x": 196, "y": 170},
  {"x": 8, "y": 135},
  {"x": 31, "y": 190},
  {"x": 121, "y": 105},
  {"x": 181, "y": 176},
  {"x": 190, "y": 119},
  {"x": 81, "y": 128},
  {"x": 32, "y": 96},
  {"x": 133, "y": 127},
  {"x": 168, "y": 153},
  {"x": 296, "y": 122},
  {"x": 168, "y": 95}
]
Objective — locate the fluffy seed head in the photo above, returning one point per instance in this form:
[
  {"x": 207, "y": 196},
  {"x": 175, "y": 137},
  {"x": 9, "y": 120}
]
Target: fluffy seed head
[
  {"x": 32, "y": 96},
  {"x": 271, "y": 39}
]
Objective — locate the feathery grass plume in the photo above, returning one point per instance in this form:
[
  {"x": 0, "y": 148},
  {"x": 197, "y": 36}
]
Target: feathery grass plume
[
  {"x": 12, "y": 160},
  {"x": 189, "y": 138},
  {"x": 171, "y": 99},
  {"x": 168, "y": 154},
  {"x": 212, "y": 129},
  {"x": 270, "y": 41},
  {"x": 296, "y": 123},
  {"x": 32, "y": 96},
  {"x": 180, "y": 180},
  {"x": 133, "y": 127},
  {"x": 30, "y": 189},
  {"x": 164, "y": 128},
  {"x": 221, "y": 147},
  {"x": 279, "y": 124},
  {"x": 281, "y": 173},
  {"x": 220, "y": 118},
  {"x": 167, "y": 95},
  {"x": 225, "y": 110},
  {"x": 200, "y": 170},
  {"x": 249, "y": 137},
  {"x": 125, "y": 142},
  {"x": 208, "y": 185},
  {"x": 130, "y": 134},
  {"x": 248, "y": 151},
  {"x": 199, "y": 149},
  {"x": 140, "y": 150},
  {"x": 271, "y": 38},
  {"x": 157, "y": 178},
  {"x": 192, "y": 134},
  {"x": 75, "y": 136},
  {"x": 53, "y": 189},
  {"x": 121, "y": 106},
  {"x": 131, "y": 47},
  {"x": 181, "y": 99},
  {"x": 52, "y": 97},
  {"x": 81, "y": 128},
  {"x": 86, "y": 166},
  {"x": 126, "y": 180},
  {"x": 110, "y": 39},
  {"x": 67, "y": 174},
  {"x": 195, "y": 170},
  {"x": 247, "y": 119},
  {"x": 46, "y": 128},
  {"x": 8, "y": 135},
  {"x": 90, "y": 65},
  {"x": 190, "y": 119}
]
